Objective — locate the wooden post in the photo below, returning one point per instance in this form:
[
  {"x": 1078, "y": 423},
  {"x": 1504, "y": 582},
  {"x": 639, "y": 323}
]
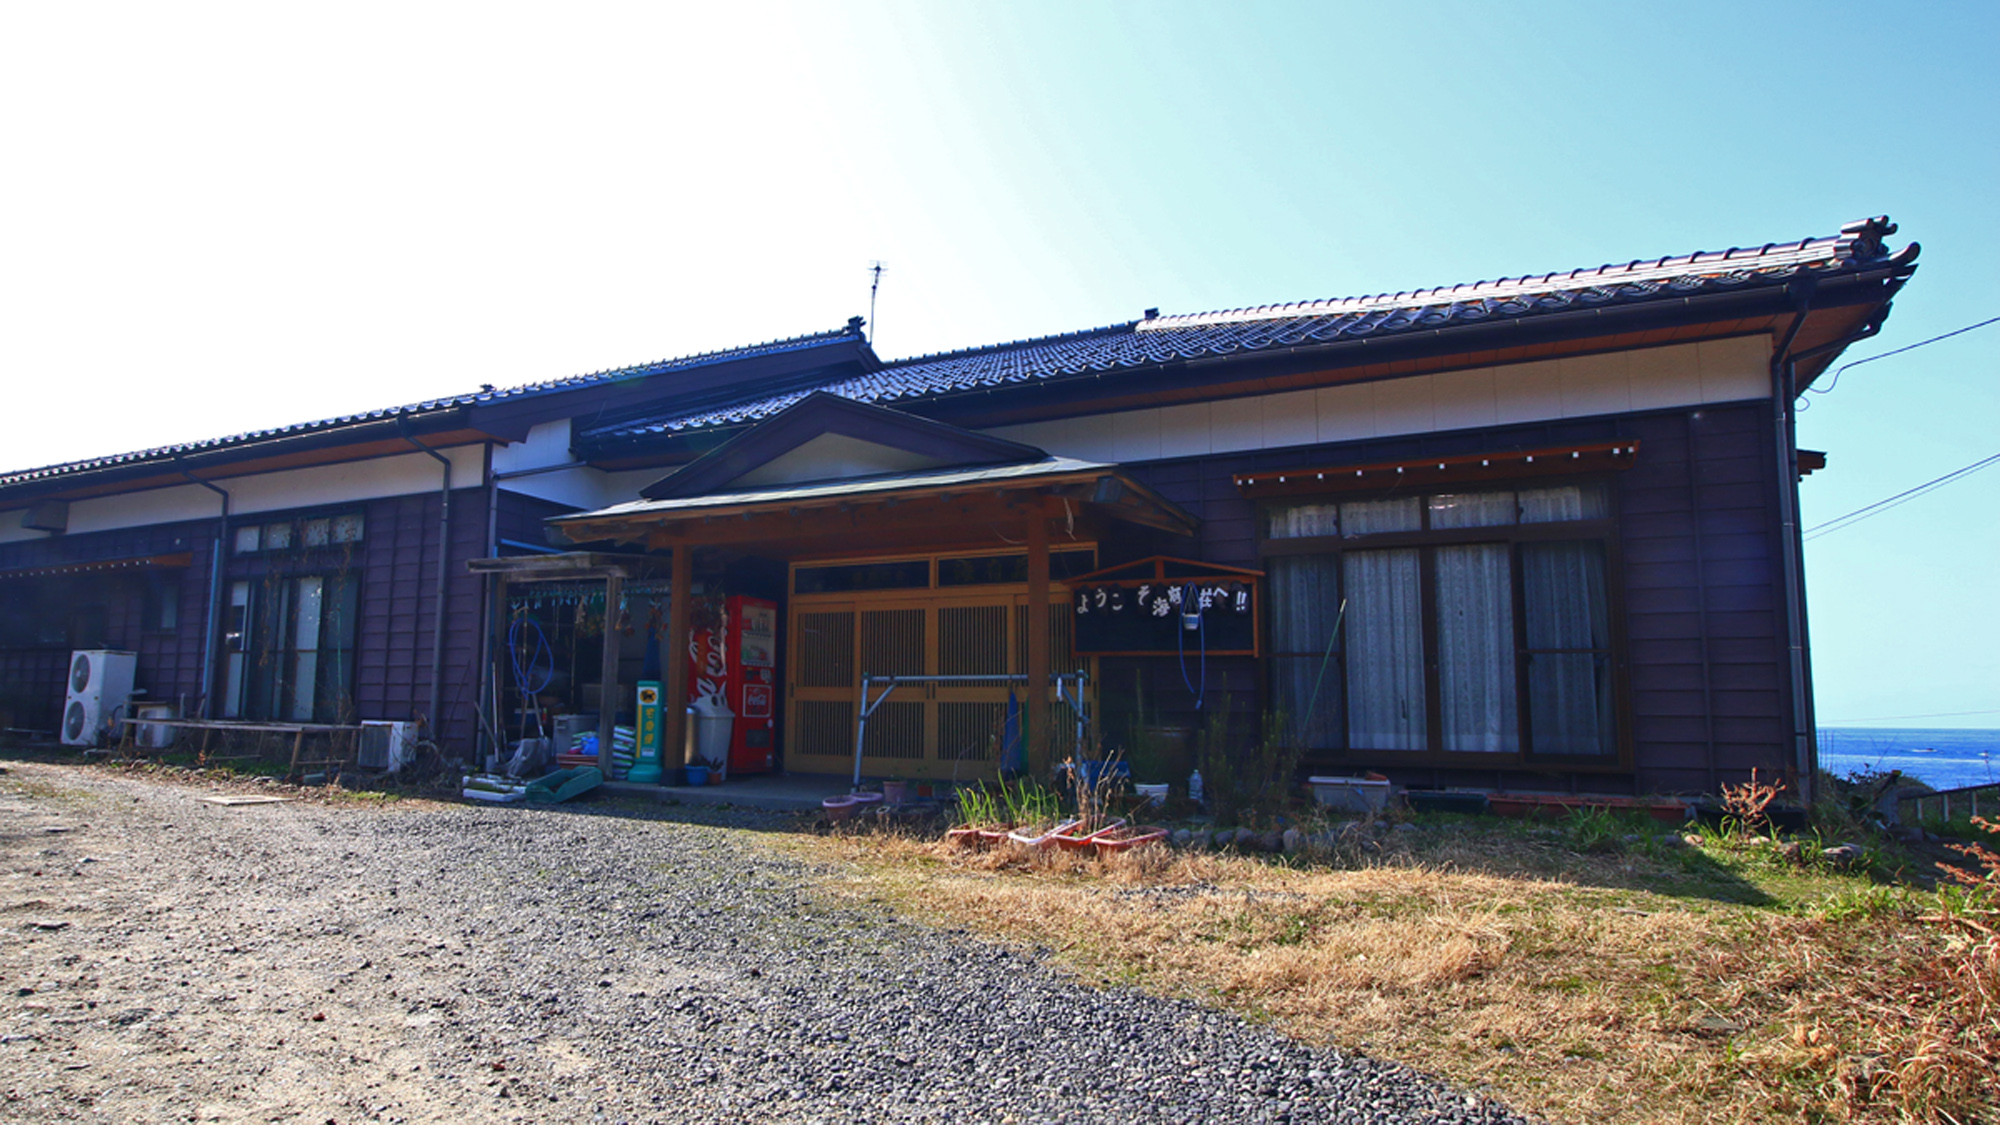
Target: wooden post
[
  {"x": 676, "y": 665},
  {"x": 1037, "y": 732},
  {"x": 493, "y": 732},
  {"x": 607, "y": 698}
]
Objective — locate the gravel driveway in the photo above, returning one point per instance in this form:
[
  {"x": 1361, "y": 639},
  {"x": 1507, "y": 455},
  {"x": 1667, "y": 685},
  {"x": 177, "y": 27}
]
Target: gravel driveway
[{"x": 164, "y": 959}]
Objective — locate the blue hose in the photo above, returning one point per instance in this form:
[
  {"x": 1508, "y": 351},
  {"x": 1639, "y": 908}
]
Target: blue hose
[
  {"x": 524, "y": 674},
  {"x": 1190, "y": 595}
]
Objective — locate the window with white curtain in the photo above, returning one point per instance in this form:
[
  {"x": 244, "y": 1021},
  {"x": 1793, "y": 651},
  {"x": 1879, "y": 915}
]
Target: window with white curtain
[{"x": 1471, "y": 624}]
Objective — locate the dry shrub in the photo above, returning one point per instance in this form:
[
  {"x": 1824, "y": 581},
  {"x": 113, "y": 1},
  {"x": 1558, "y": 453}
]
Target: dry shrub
[
  {"x": 1747, "y": 803},
  {"x": 1939, "y": 1053}
]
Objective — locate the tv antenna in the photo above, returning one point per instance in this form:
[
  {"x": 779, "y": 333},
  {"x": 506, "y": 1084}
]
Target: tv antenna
[{"x": 874, "y": 268}]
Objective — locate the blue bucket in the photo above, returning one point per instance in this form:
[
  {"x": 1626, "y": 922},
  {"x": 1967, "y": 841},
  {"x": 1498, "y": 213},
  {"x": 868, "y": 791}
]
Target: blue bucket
[
  {"x": 697, "y": 775},
  {"x": 1093, "y": 773}
]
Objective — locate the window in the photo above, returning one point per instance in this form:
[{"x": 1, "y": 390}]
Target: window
[
  {"x": 290, "y": 648},
  {"x": 162, "y": 608},
  {"x": 1476, "y": 623},
  {"x": 317, "y": 532},
  {"x": 1009, "y": 568}
]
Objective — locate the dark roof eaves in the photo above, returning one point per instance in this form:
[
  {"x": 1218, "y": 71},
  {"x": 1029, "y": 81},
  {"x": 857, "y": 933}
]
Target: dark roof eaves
[{"x": 209, "y": 447}]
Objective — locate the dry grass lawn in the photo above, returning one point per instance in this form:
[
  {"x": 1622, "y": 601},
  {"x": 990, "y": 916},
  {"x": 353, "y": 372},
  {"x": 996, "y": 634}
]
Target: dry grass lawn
[{"x": 1646, "y": 983}]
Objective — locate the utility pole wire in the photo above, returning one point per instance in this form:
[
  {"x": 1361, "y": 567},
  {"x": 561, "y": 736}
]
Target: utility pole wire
[
  {"x": 1839, "y": 523},
  {"x": 1828, "y": 389}
]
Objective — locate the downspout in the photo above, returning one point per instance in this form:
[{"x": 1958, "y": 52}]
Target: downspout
[
  {"x": 490, "y": 613},
  {"x": 1790, "y": 544},
  {"x": 1805, "y": 710},
  {"x": 443, "y": 575},
  {"x": 213, "y": 629}
]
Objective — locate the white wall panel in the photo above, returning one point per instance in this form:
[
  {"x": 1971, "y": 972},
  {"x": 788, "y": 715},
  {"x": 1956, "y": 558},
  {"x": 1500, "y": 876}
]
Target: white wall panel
[
  {"x": 318, "y": 486},
  {"x": 1578, "y": 387},
  {"x": 1464, "y": 400},
  {"x": 1291, "y": 418},
  {"x": 1594, "y": 384},
  {"x": 585, "y": 489},
  {"x": 1658, "y": 377},
  {"x": 1345, "y": 413},
  {"x": 1527, "y": 392},
  {"x": 1238, "y": 423},
  {"x": 1135, "y": 435},
  {"x": 1735, "y": 369},
  {"x": 1186, "y": 426},
  {"x": 547, "y": 444},
  {"x": 1405, "y": 406}
]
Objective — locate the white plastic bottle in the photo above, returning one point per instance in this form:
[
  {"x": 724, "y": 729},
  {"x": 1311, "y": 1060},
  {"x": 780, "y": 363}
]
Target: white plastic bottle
[{"x": 1194, "y": 787}]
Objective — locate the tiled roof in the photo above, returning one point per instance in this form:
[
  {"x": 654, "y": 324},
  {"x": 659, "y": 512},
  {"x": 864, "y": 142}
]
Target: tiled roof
[
  {"x": 1160, "y": 340},
  {"x": 483, "y": 396}
]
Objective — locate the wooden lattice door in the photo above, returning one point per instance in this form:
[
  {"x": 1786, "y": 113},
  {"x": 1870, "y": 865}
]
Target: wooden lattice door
[{"x": 936, "y": 730}]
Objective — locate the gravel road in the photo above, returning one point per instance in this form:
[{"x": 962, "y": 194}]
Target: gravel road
[{"x": 164, "y": 959}]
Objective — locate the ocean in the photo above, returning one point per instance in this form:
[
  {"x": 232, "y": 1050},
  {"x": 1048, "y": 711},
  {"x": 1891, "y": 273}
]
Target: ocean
[{"x": 1941, "y": 759}]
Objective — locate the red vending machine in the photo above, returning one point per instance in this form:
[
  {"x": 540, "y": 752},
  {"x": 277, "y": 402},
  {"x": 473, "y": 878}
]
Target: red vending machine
[{"x": 736, "y": 664}]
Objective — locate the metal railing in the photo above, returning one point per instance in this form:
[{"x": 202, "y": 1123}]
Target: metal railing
[
  {"x": 1075, "y": 682},
  {"x": 1967, "y": 798}
]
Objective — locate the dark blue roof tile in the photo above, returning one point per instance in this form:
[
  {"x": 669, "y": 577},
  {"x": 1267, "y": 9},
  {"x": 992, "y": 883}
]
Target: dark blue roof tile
[{"x": 1162, "y": 340}]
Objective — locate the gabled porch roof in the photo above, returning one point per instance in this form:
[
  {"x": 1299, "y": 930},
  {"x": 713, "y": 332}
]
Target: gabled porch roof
[{"x": 781, "y": 485}]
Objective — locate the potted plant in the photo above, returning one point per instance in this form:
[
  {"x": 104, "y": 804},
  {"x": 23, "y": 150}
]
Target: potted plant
[
  {"x": 1095, "y": 784},
  {"x": 1035, "y": 811},
  {"x": 979, "y": 814}
]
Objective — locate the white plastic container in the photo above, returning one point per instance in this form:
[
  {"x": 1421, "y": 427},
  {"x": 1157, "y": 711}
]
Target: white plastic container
[
  {"x": 715, "y": 725},
  {"x": 1154, "y": 794},
  {"x": 1351, "y": 794}
]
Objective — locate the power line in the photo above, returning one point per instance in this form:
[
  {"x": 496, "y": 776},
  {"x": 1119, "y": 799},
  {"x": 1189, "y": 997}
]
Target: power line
[
  {"x": 1828, "y": 389},
  {"x": 1840, "y": 523}
]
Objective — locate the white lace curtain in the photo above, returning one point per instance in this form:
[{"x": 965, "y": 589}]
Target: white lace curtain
[
  {"x": 1385, "y": 651},
  {"x": 1378, "y": 675},
  {"x": 1475, "y": 644}
]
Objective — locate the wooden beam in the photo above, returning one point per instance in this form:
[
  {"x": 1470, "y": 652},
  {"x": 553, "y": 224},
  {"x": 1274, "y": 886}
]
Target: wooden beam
[
  {"x": 1039, "y": 737},
  {"x": 607, "y": 696},
  {"x": 676, "y": 669}
]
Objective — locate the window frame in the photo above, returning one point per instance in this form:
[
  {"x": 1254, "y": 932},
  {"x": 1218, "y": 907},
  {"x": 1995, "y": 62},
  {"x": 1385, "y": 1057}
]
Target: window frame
[{"x": 1426, "y": 540}]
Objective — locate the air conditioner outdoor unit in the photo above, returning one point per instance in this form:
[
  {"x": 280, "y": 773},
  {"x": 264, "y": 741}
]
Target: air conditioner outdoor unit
[
  {"x": 386, "y": 745},
  {"x": 154, "y": 736},
  {"x": 100, "y": 690}
]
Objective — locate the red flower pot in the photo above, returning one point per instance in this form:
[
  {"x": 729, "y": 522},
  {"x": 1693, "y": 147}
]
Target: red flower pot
[
  {"x": 1075, "y": 839},
  {"x": 1123, "y": 839}
]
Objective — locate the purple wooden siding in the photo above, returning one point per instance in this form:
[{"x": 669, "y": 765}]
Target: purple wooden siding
[
  {"x": 169, "y": 665},
  {"x": 1703, "y": 595},
  {"x": 399, "y": 603},
  {"x": 522, "y": 519},
  {"x": 397, "y": 567}
]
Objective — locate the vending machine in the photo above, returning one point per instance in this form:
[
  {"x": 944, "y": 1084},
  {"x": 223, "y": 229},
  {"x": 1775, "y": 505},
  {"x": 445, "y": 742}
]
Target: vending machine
[{"x": 736, "y": 664}]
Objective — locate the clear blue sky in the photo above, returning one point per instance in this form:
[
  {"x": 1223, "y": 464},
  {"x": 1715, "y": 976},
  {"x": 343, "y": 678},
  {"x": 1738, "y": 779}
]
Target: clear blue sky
[{"x": 225, "y": 217}]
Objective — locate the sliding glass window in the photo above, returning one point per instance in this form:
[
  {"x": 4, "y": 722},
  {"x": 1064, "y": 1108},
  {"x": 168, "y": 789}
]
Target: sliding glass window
[{"x": 1462, "y": 626}]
